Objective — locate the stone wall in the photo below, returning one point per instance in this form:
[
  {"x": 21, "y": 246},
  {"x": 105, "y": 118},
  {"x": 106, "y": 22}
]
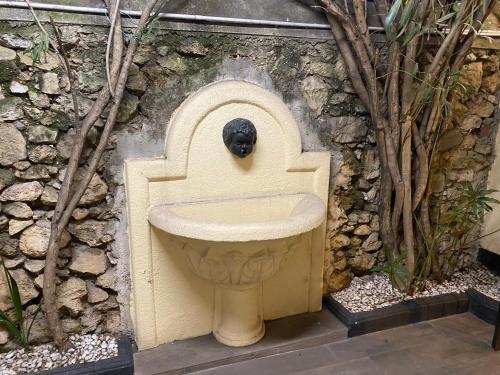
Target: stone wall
[
  {"x": 464, "y": 154},
  {"x": 36, "y": 141},
  {"x": 466, "y": 149}
]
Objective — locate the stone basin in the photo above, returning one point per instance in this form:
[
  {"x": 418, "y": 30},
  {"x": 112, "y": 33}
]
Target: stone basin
[
  {"x": 237, "y": 243},
  {"x": 241, "y": 219}
]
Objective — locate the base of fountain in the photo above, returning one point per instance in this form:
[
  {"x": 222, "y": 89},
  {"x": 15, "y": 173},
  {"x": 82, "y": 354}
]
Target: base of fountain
[{"x": 238, "y": 315}]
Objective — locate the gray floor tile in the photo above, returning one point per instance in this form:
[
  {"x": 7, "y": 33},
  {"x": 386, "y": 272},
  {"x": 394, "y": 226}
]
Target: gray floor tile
[
  {"x": 455, "y": 345},
  {"x": 282, "y": 335},
  {"x": 359, "y": 366},
  {"x": 286, "y": 363}
]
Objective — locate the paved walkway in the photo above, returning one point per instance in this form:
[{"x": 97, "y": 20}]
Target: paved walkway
[{"x": 454, "y": 345}]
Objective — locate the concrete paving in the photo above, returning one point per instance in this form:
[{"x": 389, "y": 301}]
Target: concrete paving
[
  {"x": 317, "y": 344},
  {"x": 282, "y": 335}
]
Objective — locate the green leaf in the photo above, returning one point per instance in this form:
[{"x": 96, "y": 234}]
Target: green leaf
[
  {"x": 492, "y": 200},
  {"x": 447, "y": 17},
  {"x": 391, "y": 16},
  {"x": 5, "y": 318},
  {"x": 11, "y": 327},
  {"x": 412, "y": 34},
  {"x": 15, "y": 327},
  {"x": 406, "y": 17},
  {"x": 16, "y": 299},
  {"x": 14, "y": 293},
  {"x": 456, "y": 6},
  {"x": 45, "y": 42},
  {"x": 28, "y": 331}
]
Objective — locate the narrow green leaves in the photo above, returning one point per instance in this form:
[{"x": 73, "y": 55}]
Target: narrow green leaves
[
  {"x": 394, "y": 267},
  {"x": 391, "y": 16},
  {"x": 415, "y": 30},
  {"x": 456, "y": 6},
  {"x": 403, "y": 21},
  {"x": 16, "y": 300},
  {"x": 15, "y": 325},
  {"x": 446, "y": 17},
  {"x": 28, "y": 331},
  {"x": 406, "y": 17},
  {"x": 11, "y": 327},
  {"x": 37, "y": 49}
]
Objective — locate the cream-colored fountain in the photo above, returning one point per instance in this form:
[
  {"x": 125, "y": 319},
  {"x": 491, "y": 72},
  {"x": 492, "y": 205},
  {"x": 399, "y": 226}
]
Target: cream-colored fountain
[
  {"x": 228, "y": 229},
  {"x": 238, "y": 251}
]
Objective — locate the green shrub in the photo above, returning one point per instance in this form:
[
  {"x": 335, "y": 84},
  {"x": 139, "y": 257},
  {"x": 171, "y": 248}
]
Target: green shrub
[{"x": 16, "y": 323}]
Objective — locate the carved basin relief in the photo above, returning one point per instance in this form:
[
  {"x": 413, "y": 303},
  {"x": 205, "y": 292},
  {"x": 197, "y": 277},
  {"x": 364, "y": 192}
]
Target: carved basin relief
[
  {"x": 241, "y": 240},
  {"x": 228, "y": 228},
  {"x": 258, "y": 261}
]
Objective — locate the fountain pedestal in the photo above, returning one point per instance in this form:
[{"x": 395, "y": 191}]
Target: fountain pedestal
[{"x": 238, "y": 317}]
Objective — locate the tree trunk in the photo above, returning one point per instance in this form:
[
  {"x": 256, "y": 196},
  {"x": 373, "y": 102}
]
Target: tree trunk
[
  {"x": 406, "y": 106},
  {"x": 66, "y": 204}
]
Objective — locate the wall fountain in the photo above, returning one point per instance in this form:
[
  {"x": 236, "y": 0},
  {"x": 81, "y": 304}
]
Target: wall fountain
[{"x": 228, "y": 229}]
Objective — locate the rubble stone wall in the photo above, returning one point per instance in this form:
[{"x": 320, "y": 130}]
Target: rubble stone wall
[{"x": 36, "y": 141}]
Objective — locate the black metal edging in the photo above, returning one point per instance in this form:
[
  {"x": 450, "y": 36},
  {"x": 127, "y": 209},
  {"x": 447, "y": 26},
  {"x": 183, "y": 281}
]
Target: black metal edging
[
  {"x": 403, "y": 313},
  {"x": 122, "y": 364},
  {"x": 495, "y": 344},
  {"x": 484, "y": 307},
  {"x": 419, "y": 310},
  {"x": 487, "y": 309}
]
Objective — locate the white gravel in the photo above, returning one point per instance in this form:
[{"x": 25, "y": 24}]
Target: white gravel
[
  {"x": 374, "y": 291},
  {"x": 86, "y": 348}
]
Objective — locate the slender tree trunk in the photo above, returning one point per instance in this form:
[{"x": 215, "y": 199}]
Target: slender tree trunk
[
  {"x": 70, "y": 194},
  {"x": 406, "y": 106}
]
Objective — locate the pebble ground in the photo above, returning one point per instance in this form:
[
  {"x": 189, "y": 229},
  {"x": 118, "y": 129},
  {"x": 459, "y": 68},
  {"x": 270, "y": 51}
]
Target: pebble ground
[
  {"x": 375, "y": 291},
  {"x": 86, "y": 348}
]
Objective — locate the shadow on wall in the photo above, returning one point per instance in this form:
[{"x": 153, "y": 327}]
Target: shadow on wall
[{"x": 149, "y": 142}]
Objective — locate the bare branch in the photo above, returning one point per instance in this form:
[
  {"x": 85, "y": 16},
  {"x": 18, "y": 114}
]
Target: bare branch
[
  {"x": 120, "y": 88},
  {"x": 423, "y": 167},
  {"x": 393, "y": 92},
  {"x": 49, "y": 289},
  {"x": 406, "y": 139},
  {"x": 108, "y": 45},
  {"x": 479, "y": 18},
  {"x": 349, "y": 61},
  {"x": 360, "y": 14}
]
